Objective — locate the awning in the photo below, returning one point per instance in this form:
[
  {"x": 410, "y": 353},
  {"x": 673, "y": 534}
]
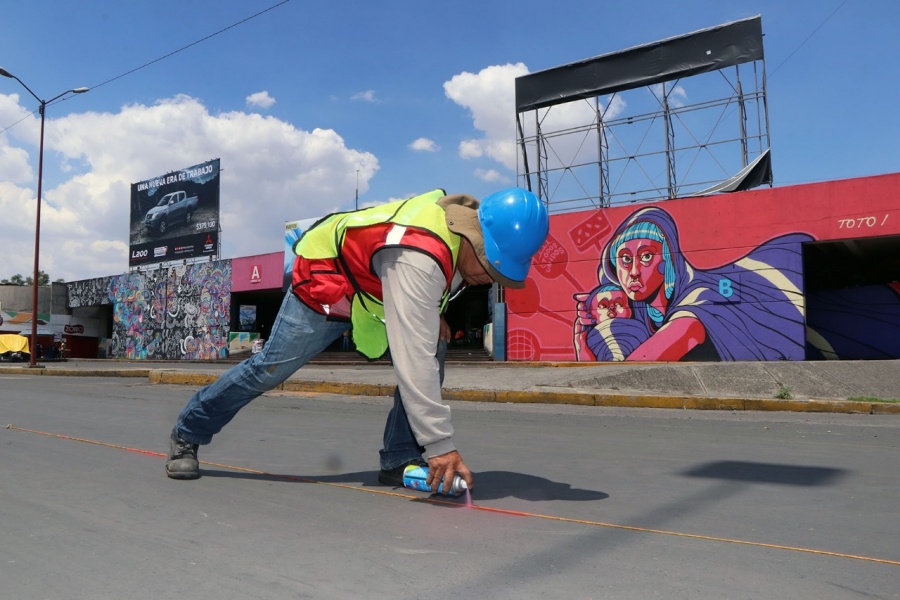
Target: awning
[{"x": 40, "y": 331}]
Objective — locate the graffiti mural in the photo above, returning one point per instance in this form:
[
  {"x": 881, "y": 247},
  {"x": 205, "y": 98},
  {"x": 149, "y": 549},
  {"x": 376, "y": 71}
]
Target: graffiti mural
[
  {"x": 169, "y": 314},
  {"x": 651, "y": 303},
  {"x": 707, "y": 279},
  {"x": 89, "y": 292}
]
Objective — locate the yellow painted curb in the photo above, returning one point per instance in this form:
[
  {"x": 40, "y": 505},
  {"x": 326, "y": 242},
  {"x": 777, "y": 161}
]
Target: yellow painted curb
[
  {"x": 335, "y": 387},
  {"x": 43, "y": 371},
  {"x": 673, "y": 402},
  {"x": 183, "y": 377}
]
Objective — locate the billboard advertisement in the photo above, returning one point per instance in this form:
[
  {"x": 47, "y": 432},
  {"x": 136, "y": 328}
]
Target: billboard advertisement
[{"x": 175, "y": 216}]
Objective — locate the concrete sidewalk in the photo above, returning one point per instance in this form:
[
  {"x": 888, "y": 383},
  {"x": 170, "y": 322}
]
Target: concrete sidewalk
[{"x": 827, "y": 386}]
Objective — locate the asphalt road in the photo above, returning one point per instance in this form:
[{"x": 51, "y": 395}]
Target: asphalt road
[{"x": 569, "y": 502}]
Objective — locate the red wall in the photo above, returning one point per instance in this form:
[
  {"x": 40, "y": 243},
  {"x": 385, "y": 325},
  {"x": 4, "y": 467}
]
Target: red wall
[
  {"x": 713, "y": 231},
  {"x": 260, "y": 272}
]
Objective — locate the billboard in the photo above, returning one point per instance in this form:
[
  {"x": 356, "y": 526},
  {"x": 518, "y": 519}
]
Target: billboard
[{"x": 175, "y": 216}]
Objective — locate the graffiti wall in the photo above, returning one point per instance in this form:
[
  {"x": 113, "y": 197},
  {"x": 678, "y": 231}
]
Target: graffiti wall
[
  {"x": 714, "y": 278},
  {"x": 175, "y": 313},
  {"x": 89, "y": 292}
]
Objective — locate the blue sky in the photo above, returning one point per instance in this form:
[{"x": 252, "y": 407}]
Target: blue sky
[{"x": 412, "y": 95}]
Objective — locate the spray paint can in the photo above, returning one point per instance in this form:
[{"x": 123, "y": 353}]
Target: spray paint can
[{"x": 414, "y": 478}]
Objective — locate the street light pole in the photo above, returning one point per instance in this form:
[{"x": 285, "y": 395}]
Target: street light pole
[{"x": 37, "y": 224}]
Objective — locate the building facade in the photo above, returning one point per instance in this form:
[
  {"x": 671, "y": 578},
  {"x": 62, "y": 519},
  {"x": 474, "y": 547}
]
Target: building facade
[
  {"x": 791, "y": 273},
  {"x": 804, "y": 272}
]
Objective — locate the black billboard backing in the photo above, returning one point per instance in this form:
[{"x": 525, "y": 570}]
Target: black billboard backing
[
  {"x": 681, "y": 56},
  {"x": 175, "y": 216}
]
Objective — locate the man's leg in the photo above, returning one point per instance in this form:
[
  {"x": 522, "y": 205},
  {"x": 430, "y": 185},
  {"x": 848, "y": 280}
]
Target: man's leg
[
  {"x": 400, "y": 446},
  {"x": 299, "y": 334}
]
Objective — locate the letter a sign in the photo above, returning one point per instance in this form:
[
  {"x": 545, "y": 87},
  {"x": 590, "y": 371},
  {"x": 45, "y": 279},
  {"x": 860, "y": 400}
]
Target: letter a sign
[{"x": 255, "y": 277}]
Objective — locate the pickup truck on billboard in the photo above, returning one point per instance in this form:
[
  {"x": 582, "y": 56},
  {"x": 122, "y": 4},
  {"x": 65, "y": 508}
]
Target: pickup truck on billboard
[{"x": 171, "y": 209}]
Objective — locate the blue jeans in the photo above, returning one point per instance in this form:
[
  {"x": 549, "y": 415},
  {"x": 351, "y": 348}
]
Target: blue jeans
[
  {"x": 400, "y": 446},
  {"x": 298, "y": 335}
]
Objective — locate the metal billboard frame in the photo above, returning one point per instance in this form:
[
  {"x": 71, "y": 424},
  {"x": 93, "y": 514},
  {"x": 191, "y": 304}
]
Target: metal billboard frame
[{"x": 684, "y": 116}]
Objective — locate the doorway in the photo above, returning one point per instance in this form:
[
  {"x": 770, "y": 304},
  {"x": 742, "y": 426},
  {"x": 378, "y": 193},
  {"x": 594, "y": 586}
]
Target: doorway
[
  {"x": 852, "y": 290},
  {"x": 467, "y": 315}
]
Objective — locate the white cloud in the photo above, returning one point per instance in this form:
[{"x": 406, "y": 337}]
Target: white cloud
[
  {"x": 424, "y": 145},
  {"x": 271, "y": 172},
  {"x": 15, "y": 164},
  {"x": 367, "y": 96},
  {"x": 489, "y": 95},
  {"x": 491, "y": 176},
  {"x": 676, "y": 95},
  {"x": 261, "y": 99},
  {"x": 470, "y": 149}
]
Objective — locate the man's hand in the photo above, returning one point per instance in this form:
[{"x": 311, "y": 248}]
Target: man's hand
[{"x": 445, "y": 467}]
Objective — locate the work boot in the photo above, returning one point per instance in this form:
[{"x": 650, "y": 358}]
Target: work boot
[
  {"x": 182, "y": 460},
  {"x": 394, "y": 477}
]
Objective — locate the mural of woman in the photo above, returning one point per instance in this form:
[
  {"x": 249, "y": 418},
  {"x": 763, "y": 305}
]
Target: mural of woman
[{"x": 751, "y": 309}]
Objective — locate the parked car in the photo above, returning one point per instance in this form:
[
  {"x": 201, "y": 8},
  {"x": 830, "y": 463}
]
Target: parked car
[{"x": 171, "y": 209}]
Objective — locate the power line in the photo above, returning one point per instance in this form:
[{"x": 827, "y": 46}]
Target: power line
[
  {"x": 815, "y": 31},
  {"x": 161, "y": 58},
  {"x": 19, "y": 121},
  {"x": 201, "y": 40}
]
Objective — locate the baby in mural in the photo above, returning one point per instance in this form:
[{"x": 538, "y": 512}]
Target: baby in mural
[
  {"x": 605, "y": 329},
  {"x": 593, "y": 311}
]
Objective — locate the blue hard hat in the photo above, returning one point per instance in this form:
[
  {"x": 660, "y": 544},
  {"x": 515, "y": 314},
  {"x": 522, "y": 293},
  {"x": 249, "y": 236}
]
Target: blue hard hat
[{"x": 515, "y": 224}]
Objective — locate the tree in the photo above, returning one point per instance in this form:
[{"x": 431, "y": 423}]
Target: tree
[{"x": 17, "y": 279}]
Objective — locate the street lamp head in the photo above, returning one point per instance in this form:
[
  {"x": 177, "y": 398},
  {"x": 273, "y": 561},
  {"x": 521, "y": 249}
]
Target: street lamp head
[{"x": 80, "y": 90}]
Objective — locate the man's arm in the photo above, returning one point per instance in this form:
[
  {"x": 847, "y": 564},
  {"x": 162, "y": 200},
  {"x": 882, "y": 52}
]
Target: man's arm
[{"x": 413, "y": 286}]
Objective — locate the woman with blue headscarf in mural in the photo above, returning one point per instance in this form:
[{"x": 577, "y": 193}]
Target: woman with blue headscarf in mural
[{"x": 751, "y": 309}]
